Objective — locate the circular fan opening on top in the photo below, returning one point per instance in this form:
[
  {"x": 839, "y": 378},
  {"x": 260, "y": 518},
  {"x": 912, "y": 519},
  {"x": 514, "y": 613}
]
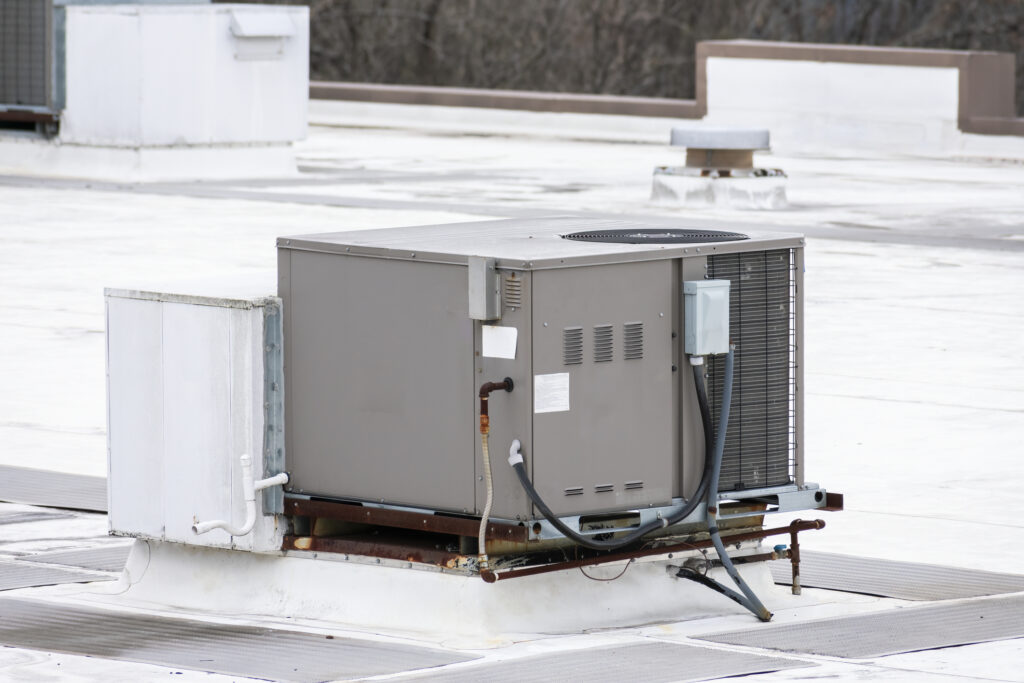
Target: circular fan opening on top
[{"x": 655, "y": 236}]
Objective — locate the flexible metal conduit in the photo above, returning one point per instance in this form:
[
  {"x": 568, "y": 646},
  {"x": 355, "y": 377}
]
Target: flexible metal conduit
[
  {"x": 516, "y": 461},
  {"x": 748, "y": 599}
]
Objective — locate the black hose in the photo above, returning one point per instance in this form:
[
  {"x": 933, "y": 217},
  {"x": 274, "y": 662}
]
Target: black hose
[
  {"x": 705, "y": 415},
  {"x": 748, "y": 599},
  {"x": 592, "y": 543},
  {"x": 688, "y": 506}
]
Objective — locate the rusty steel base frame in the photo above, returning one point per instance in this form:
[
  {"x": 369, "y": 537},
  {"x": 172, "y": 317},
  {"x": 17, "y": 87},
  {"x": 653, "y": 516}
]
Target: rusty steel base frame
[
  {"x": 438, "y": 540},
  {"x": 669, "y": 548}
]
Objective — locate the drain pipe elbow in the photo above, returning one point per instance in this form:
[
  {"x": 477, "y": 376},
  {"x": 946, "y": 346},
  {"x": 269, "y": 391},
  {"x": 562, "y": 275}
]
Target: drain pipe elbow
[{"x": 249, "y": 489}]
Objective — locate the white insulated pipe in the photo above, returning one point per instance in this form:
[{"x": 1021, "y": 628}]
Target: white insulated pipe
[{"x": 249, "y": 489}]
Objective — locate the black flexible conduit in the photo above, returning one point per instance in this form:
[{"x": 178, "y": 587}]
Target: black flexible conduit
[
  {"x": 688, "y": 507},
  {"x": 707, "y": 489},
  {"x": 748, "y": 599}
]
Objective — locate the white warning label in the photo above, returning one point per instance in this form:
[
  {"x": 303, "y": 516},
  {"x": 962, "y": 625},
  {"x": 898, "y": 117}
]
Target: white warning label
[{"x": 551, "y": 393}]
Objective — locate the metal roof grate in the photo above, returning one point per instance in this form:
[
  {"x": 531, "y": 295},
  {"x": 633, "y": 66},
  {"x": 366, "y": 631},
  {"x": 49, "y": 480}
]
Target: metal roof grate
[
  {"x": 653, "y": 662},
  {"x": 891, "y": 579},
  {"x": 52, "y": 489},
  {"x": 891, "y": 632},
  {"x": 16, "y": 574},
  {"x": 248, "y": 651}
]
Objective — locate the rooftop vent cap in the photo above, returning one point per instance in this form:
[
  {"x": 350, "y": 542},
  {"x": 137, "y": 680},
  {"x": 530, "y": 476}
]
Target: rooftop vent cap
[
  {"x": 720, "y": 138},
  {"x": 655, "y": 236}
]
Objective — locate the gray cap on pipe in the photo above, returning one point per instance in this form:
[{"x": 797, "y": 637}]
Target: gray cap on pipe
[{"x": 719, "y": 138}]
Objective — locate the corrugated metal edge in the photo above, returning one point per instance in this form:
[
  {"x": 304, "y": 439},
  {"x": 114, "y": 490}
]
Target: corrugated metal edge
[
  {"x": 878, "y": 634},
  {"x": 885, "y": 573},
  {"x": 53, "y": 489}
]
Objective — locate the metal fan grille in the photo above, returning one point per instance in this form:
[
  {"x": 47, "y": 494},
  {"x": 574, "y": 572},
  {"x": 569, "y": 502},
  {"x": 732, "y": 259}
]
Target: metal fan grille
[{"x": 655, "y": 236}]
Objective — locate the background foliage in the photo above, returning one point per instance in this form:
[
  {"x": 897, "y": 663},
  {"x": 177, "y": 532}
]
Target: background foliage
[{"x": 625, "y": 47}]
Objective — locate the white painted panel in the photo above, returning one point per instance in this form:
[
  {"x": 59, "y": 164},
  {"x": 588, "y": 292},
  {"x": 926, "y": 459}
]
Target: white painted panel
[
  {"x": 135, "y": 416},
  {"x": 186, "y": 401},
  {"x": 898, "y": 92},
  {"x": 178, "y": 99},
  {"x": 197, "y": 418},
  {"x": 280, "y": 86},
  {"x": 837, "y": 89},
  {"x": 103, "y": 77},
  {"x": 170, "y": 75},
  {"x": 815, "y": 105}
]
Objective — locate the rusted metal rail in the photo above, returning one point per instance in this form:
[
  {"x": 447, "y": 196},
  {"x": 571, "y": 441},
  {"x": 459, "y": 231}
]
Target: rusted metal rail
[
  {"x": 441, "y": 524},
  {"x": 793, "y": 529}
]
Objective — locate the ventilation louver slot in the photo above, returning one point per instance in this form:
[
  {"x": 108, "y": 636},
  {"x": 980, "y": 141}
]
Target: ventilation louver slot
[
  {"x": 634, "y": 485},
  {"x": 513, "y": 292},
  {"x": 604, "y": 488},
  {"x": 760, "y": 441},
  {"x": 633, "y": 340},
  {"x": 603, "y": 351},
  {"x": 572, "y": 345},
  {"x": 574, "y": 491}
]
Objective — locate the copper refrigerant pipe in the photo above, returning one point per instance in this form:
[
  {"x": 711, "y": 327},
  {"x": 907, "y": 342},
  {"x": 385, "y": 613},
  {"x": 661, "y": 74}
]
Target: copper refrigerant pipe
[
  {"x": 794, "y": 558},
  {"x": 485, "y": 392},
  {"x": 485, "y": 428},
  {"x": 792, "y": 529}
]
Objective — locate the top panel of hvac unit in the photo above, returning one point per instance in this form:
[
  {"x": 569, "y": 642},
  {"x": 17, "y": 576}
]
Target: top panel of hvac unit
[{"x": 543, "y": 243}]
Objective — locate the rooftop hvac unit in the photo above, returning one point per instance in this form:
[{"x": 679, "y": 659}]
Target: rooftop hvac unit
[{"x": 581, "y": 335}]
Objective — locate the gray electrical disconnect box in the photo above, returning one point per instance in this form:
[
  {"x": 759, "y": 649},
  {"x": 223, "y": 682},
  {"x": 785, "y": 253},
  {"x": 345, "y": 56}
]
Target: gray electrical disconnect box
[
  {"x": 706, "y": 317},
  {"x": 390, "y": 333}
]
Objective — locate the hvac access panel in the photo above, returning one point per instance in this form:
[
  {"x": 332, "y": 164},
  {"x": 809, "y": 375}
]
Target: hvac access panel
[
  {"x": 379, "y": 384},
  {"x": 603, "y": 424}
]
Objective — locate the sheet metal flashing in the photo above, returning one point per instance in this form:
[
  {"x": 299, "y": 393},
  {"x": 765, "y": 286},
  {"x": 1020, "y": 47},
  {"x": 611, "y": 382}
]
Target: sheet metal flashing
[
  {"x": 203, "y": 646},
  {"x": 193, "y": 299},
  {"x": 895, "y": 631},
  {"x": 891, "y": 579},
  {"x": 526, "y": 243},
  {"x": 652, "y": 662}
]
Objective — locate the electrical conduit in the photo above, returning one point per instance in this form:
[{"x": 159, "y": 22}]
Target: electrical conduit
[{"x": 748, "y": 599}]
